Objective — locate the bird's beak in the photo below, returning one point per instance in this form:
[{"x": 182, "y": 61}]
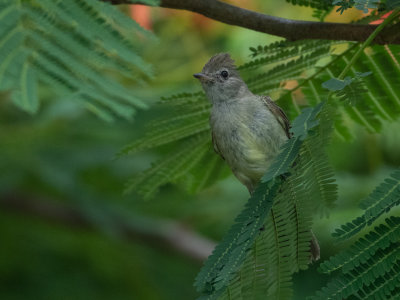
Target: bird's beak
[{"x": 202, "y": 77}]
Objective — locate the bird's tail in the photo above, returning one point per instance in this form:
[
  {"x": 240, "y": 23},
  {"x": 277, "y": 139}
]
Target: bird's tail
[{"x": 314, "y": 248}]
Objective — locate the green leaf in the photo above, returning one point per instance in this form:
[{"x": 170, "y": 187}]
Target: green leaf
[
  {"x": 222, "y": 266},
  {"x": 306, "y": 121},
  {"x": 283, "y": 245},
  {"x": 334, "y": 84},
  {"x": 380, "y": 201},
  {"x": 26, "y": 96},
  {"x": 149, "y": 2},
  {"x": 70, "y": 45},
  {"x": 321, "y": 4},
  {"x": 228, "y": 256},
  {"x": 392, "y": 4},
  {"x": 369, "y": 268},
  {"x": 284, "y": 160},
  {"x": 175, "y": 166},
  {"x": 366, "y": 102}
]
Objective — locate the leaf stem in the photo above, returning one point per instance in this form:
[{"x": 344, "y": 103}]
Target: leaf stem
[{"x": 368, "y": 41}]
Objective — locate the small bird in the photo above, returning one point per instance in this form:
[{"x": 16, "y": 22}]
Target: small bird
[{"x": 247, "y": 129}]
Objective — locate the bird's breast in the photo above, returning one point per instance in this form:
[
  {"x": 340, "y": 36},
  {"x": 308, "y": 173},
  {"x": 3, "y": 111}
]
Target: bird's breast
[{"x": 247, "y": 139}]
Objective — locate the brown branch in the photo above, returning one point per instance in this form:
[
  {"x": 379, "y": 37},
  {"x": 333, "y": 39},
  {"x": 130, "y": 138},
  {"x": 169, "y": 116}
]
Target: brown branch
[
  {"x": 160, "y": 233},
  {"x": 286, "y": 28}
]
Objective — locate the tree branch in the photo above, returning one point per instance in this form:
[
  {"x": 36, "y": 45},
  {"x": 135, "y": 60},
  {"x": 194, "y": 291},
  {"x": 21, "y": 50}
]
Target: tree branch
[
  {"x": 159, "y": 233},
  {"x": 290, "y": 29}
]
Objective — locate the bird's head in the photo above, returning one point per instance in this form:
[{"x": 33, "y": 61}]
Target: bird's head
[{"x": 220, "y": 79}]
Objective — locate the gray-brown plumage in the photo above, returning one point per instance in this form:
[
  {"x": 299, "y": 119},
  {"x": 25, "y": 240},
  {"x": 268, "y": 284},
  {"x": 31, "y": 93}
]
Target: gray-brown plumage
[{"x": 247, "y": 129}]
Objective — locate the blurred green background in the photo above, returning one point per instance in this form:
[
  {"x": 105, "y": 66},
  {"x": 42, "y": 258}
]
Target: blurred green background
[{"x": 61, "y": 201}]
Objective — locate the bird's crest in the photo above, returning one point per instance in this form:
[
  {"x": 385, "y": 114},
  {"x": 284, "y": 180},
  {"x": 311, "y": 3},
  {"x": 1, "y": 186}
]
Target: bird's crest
[{"x": 219, "y": 61}]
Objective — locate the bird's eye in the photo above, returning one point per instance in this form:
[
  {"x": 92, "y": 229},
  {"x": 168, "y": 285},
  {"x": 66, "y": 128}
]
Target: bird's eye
[{"x": 224, "y": 74}]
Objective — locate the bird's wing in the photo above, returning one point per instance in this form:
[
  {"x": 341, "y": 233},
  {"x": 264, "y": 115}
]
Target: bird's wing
[
  {"x": 278, "y": 113},
  {"x": 214, "y": 142}
]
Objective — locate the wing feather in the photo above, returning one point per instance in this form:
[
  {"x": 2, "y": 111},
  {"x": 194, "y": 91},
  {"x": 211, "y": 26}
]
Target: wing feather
[{"x": 278, "y": 113}]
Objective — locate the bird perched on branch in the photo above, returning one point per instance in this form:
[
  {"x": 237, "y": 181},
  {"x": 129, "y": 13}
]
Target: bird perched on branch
[{"x": 247, "y": 129}]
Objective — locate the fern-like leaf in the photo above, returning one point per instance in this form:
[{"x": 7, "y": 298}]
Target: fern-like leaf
[
  {"x": 317, "y": 173},
  {"x": 381, "y": 200},
  {"x": 189, "y": 118},
  {"x": 283, "y": 245},
  {"x": 26, "y": 95},
  {"x": 204, "y": 173},
  {"x": 364, "y": 248},
  {"x": 321, "y": 14},
  {"x": 322, "y": 4},
  {"x": 283, "y": 50},
  {"x": 367, "y": 266},
  {"x": 281, "y": 249},
  {"x": 148, "y": 182},
  {"x": 278, "y": 63},
  {"x": 67, "y": 45},
  {"x": 223, "y": 265},
  {"x": 378, "y": 102},
  {"x": 289, "y": 70}
]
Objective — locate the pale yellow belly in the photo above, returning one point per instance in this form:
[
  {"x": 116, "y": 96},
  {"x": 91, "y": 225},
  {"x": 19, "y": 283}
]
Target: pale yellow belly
[{"x": 252, "y": 158}]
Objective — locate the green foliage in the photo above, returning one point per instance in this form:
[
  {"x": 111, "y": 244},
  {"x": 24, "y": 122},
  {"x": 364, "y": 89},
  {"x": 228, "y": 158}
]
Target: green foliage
[
  {"x": 270, "y": 239},
  {"x": 381, "y": 200},
  {"x": 149, "y": 2},
  {"x": 379, "y": 238},
  {"x": 321, "y": 14},
  {"x": 365, "y": 5},
  {"x": 369, "y": 108},
  {"x": 66, "y": 45},
  {"x": 316, "y": 172},
  {"x": 392, "y": 4},
  {"x": 292, "y": 69},
  {"x": 373, "y": 98},
  {"x": 279, "y": 209},
  {"x": 188, "y": 117},
  {"x": 349, "y": 90},
  {"x": 369, "y": 269},
  {"x": 381, "y": 102},
  {"x": 323, "y": 4},
  {"x": 310, "y": 63},
  {"x": 190, "y": 111},
  {"x": 353, "y": 92},
  {"x": 335, "y": 84},
  {"x": 321, "y": 8},
  {"x": 359, "y": 4},
  {"x": 173, "y": 167},
  {"x": 187, "y": 124},
  {"x": 281, "y": 248},
  {"x": 283, "y": 50}
]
